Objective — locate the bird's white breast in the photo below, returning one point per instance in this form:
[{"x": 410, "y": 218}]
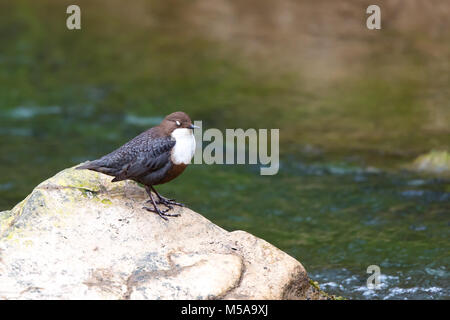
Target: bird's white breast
[{"x": 184, "y": 148}]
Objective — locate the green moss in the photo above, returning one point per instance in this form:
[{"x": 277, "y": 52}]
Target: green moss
[
  {"x": 5, "y": 215},
  {"x": 81, "y": 179},
  {"x": 107, "y": 202},
  {"x": 6, "y": 218},
  {"x": 433, "y": 162},
  {"x": 316, "y": 286},
  {"x": 87, "y": 193}
]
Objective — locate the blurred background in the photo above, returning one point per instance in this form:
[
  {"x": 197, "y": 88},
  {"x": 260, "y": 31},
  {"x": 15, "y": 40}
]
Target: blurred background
[{"x": 354, "y": 106}]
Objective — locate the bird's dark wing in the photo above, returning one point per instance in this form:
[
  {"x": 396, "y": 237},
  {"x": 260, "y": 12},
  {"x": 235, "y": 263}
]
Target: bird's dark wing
[
  {"x": 142, "y": 155},
  {"x": 146, "y": 161}
]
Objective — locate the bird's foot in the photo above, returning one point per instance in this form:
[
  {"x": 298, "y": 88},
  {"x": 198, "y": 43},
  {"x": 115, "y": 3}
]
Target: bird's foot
[
  {"x": 162, "y": 213},
  {"x": 169, "y": 202}
]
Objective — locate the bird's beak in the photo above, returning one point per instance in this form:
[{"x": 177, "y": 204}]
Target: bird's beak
[{"x": 193, "y": 127}]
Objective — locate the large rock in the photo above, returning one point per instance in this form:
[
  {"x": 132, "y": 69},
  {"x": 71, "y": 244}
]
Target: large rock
[
  {"x": 435, "y": 162},
  {"x": 79, "y": 236}
]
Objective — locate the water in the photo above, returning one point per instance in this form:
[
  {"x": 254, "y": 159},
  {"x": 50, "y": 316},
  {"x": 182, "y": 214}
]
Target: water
[
  {"x": 338, "y": 221},
  {"x": 340, "y": 202}
]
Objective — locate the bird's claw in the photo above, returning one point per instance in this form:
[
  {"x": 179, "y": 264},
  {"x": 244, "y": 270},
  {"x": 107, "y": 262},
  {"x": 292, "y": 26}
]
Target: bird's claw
[
  {"x": 168, "y": 202},
  {"x": 162, "y": 213}
]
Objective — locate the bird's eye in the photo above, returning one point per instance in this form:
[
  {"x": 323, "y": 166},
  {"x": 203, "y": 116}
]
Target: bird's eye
[{"x": 178, "y": 123}]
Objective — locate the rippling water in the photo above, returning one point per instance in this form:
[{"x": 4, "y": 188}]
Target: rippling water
[{"x": 340, "y": 202}]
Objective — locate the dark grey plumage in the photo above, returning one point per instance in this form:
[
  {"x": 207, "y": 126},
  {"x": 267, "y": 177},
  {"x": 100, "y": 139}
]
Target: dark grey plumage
[{"x": 144, "y": 159}]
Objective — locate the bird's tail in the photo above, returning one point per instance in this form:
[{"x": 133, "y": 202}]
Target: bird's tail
[
  {"x": 97, "y": 165},
  {"x": 89, "y": 165}
]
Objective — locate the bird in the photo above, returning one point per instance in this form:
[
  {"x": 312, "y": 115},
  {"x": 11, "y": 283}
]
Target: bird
[{"x": 156, "y": 156}]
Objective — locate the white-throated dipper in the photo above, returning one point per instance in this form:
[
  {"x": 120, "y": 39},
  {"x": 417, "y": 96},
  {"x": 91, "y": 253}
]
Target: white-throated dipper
[{"x": 154, "y": 157}]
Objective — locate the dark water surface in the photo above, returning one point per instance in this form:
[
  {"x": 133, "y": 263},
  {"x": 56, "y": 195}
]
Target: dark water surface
[{"x": 339, "y": 202}]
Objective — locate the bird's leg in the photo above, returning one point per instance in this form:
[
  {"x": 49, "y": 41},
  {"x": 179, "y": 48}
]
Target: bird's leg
[
  {"x": 161, "y": 213},
  {"x": 165, "y": 201}
]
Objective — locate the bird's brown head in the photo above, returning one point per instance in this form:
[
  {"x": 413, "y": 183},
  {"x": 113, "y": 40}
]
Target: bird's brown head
[{"x": 176, "y": 120}]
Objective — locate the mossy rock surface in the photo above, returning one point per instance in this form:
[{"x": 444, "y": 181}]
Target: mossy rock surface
[
  {"x": 434, "y": 162},
  {"x": 79, "y": 236}
]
